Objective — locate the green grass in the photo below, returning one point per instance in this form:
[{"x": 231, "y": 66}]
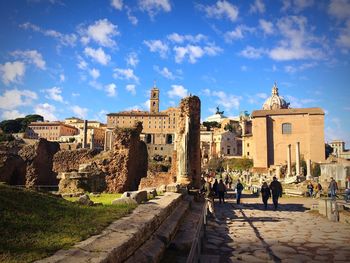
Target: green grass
[
  {"x": 34, "y": 225},
  {"x": 105, "y": 199}
]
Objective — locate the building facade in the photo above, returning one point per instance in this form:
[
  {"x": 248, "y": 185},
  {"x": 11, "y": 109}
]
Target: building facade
[
  {"x": 52, "y": 131},
  {"x": 281, "y": 135},
  {"x": 159, "y": 127},
  {"x": 339, "y": 149}
]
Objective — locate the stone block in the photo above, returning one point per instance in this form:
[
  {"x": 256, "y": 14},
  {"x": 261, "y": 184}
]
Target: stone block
[
  {"x": 138, "y": 196},
  {"x": 161, "y": 189},
  {"x": 85, "y": 200},
  {"x": 344, "y": 217},
  {"x": 123, "y": 201},
  {"x": 175, "y": 188},
  {"x": 151, "y": 192}
]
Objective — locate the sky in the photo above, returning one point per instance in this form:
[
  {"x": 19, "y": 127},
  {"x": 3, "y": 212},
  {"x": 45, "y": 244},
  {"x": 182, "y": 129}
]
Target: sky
[{"x": 88, "y": 58}]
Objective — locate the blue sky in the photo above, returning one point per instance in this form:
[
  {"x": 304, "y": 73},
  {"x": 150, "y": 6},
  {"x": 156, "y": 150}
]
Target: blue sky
[{"x": 88, "y": 58}]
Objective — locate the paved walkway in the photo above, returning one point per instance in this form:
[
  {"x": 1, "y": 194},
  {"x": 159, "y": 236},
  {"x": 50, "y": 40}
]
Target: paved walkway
[{"x": 293, "y": 233}]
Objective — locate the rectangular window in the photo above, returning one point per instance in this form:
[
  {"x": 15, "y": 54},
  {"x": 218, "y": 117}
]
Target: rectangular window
[{"x": 286, "y": 128}]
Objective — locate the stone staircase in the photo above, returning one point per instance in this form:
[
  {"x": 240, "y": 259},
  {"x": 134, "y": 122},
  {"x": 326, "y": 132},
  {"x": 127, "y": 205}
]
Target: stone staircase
[{"x": 162, "y": 227}]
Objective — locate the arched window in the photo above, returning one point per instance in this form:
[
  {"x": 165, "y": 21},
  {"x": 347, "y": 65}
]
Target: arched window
[{"x": 286, "y": 128}]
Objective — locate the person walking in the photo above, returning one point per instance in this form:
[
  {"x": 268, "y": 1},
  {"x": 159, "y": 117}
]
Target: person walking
[
  {"x": 332, "y": 188},
  {"x": 221, "y": 191},
  {"x": 239, "y": 189},
  {"x": 276, "y": 189},
  {"x": 208, "y": 195},
  {"x": 310, "y": 189},
  {"x": 215, "y": 187},
  {"x": 265, "y": 194}
]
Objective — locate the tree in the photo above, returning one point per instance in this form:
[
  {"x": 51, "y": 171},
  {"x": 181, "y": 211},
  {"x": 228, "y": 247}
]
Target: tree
[
  {"x": 239, "y": 163},
  {"x": 216, "y": 164},
  {"x": 19, "y": 124}
]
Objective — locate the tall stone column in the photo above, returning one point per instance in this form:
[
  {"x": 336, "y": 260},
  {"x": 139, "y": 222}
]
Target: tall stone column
[
  {"x": 85, "y": 134},
  {"x": 308, "y": 168},
  {"x": 105, "y": 141},
  {"x": 92, "y": 144},
  {"x": 297, "y": 159},
  {"x": 289, "y": 161}
]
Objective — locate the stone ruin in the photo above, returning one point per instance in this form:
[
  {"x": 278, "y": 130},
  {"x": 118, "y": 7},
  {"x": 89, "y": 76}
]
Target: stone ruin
[
  {"x": 122, "y": 167},
  {"x": 186, "y": 159},
  {"x": 28, "y": 164}
]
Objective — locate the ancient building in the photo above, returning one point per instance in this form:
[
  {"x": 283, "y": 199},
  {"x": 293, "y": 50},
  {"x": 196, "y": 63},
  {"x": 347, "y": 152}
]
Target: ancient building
[
  {"x": 339, "y": 149},
  {"x": 159, "y": 127},
  {"x": 282, "y": 136}
]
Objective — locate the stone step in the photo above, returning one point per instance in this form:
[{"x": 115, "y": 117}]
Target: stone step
[
  {"x": 187, "y": 238},
  {"x": 124, "y": 236},
  {"x": 152, "y": 250}
]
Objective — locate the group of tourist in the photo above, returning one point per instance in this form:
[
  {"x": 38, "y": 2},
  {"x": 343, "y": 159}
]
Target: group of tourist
[
  {"x": 274, "y": 190},
  {"x": 316, "y": 191}
]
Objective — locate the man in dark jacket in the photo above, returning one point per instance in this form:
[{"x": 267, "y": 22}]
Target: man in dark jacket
[
  {"x": 276, "y": 189},
  {"x": 239, "y": 188}
]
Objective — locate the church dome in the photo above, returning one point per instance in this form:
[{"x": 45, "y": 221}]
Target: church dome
[{"x": 275, "y": 101}]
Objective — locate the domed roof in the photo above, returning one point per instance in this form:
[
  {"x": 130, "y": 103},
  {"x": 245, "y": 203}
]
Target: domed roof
[{"x": 275, "y": 101}]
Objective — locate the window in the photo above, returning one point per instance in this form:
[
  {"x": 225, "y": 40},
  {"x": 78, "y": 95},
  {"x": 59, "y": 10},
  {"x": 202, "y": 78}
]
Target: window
[{"x": 286, "y": 128}]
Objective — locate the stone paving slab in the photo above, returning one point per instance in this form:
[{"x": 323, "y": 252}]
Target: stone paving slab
[{"x": 248, "y": 233}]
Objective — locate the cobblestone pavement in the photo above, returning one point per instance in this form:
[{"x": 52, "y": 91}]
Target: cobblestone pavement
[{"x": 293, "y": 233}]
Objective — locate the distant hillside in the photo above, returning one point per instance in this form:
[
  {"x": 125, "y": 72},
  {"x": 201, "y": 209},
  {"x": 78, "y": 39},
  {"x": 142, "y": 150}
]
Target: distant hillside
[{"x": 34, "y": 225}]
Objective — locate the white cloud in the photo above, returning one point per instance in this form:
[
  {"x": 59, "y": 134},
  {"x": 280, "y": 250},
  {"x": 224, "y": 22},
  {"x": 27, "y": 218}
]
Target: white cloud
[
  {"x": 98, "y": 55},
  {"x": 266, "y": 26},
  {"x": 82, "y": 64},
  {"x": 79, "y": 111},
  {"x": 111, "y": 90},
  {"x": 300, "y": 103},
  {"x": 46, "y": 110},
  {"x": 177, "y": 38},
  {"x": 296, "y": 5},
  {"x": 54, "y": 94},
  {"x": 228, "y": 101},
  {"x": 96, "y": 84},
  {"x": 31, "y": 56},
  {"x": 127, "y": 74},
  {"x": 297, "y": 40},
  {"x": 102, "y": 32},
  {"x": 293, "y": 69},
  {"x": 101, "y": 116},
  {"x": 221, "y": 9},
  {"x": 62, "y": 77},
  {"x": 262, "y": 95},
  {"x": 131, "y": 88},
  {"x": 206, "y": 92},
  {"x": 133, "y": 19},
  {"x": 153, "y": 7},
  {"x": 238, "y": 33},
  {"x": 117, "y": 4},
  {"x": 11, "y": 115},
  {"x": 193, "y": 52},
  {"x": 64, "y": 39},
  {"x": 165, "y": 72},
  {"x": 132, "y": 59},
  {"x": 94, "y": 73},
  {"x": 146, "y": 105},
  {"x": 12, "y": 71},
  {"x": 177, "y": 91},
  {"x": 12, "y": 99},
  {"x": 252, "y": 52},
  {"x": 257, "y": 7},
  {"x": 339, "y": 9},
  {"x": 157, "y": 46}
]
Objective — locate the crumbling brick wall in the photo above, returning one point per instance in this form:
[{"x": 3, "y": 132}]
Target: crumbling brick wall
[{"x": 129, "y": 160}]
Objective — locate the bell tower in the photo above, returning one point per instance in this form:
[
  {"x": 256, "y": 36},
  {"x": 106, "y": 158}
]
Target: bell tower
[{"x": 154, "y": 100}]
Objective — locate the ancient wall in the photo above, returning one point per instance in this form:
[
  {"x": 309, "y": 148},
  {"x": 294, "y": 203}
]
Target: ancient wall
[
  {"x": 129, "y": 161},
  {"x": 28, "y": 164}
]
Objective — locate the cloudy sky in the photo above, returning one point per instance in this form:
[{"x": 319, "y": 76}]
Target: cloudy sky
[{"x": 88, "y": 58}]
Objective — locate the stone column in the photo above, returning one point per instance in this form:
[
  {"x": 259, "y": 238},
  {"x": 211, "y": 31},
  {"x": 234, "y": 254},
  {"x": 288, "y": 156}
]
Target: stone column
[
  {"x": 105, "y": 141},
  {"x": 289, "y": 161},
  {"x": 111, "y": 140},
  {"x": 297, "y": 159},
  {"x": 308, "y": 168},
  {"x": 92, "y": 144},
  {"x": 85, "y": 134}
]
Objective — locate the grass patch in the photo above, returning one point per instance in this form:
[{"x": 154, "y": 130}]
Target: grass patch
[
  {"x": 34, "y": 225},
  {"x": 104, "y": 198}
]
